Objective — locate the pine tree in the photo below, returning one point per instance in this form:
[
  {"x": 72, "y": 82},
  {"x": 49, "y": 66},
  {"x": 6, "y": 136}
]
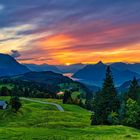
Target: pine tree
[
  {"x": 105, "y": 101},
  {"x": 4, "y": 91},
  {"x": 15, "y": 91},
  {"x": 133, "y": 90},
  {"x": 67, "y": 97},
  {"x": 89, "y": 101},
  {"x": 26, "y": 92},
  {"x": 15, "y": 103}
]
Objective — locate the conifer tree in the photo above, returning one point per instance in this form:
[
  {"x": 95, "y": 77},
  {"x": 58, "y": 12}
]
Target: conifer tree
[
  {"x": 89, "y": 101},
  {"x": 14, "y": 91},
  {"x": 26, "y": 92},
  {"x": 133, "y": 90},
  {"x": 105, "y": 101},
  {"x": 67, "y": 97},
  {"x": 4, "y": 91}
]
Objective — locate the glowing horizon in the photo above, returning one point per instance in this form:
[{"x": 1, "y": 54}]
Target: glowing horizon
[{"x": 69, "y": 32}]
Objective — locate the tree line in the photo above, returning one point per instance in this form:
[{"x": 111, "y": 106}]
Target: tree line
[
  {"x": 111, "y": 108},
  {"x": 28, "y": 89}
]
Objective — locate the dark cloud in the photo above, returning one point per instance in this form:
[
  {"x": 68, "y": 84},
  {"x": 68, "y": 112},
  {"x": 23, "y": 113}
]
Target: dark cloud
[
  {"x": 35, "y": 59},
  {"x": 54, "y": 11},
  {"x": 25, "y": 59},
  {"x": 15, "y": 53},
  {"x": 8, "y": 39}
]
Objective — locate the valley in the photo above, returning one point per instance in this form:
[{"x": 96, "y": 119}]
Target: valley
[{"x": 69, "y": 70}]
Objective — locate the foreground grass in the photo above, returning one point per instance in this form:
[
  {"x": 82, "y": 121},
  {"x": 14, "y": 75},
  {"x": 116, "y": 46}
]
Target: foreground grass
[
  {"x": 88, "y": 133},
  {"x": 37, "y": 121}
]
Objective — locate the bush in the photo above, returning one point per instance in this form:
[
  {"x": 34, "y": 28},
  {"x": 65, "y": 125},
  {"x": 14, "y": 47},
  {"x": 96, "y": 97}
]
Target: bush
[{"x": 132, "y": 114}]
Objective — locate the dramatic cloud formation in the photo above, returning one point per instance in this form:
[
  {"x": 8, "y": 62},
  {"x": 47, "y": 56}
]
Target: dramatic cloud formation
[{"x": 58, "y": 32}]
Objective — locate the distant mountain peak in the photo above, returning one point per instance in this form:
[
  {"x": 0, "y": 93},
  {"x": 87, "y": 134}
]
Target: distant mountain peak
[
  {"x": 96, "y": 73},
  {"x": 100, "y": 63}
]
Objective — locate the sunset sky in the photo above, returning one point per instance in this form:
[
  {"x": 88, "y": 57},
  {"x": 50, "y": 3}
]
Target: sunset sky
[{"x": 70, "y": 31}]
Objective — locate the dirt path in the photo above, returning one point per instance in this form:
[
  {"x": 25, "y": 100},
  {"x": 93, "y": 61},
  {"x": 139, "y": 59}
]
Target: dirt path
[{"x": 59, "y": 107}]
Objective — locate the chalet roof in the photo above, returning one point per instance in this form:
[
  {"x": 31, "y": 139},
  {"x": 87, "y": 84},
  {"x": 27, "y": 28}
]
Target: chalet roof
[{"x": 2, "y": 103}]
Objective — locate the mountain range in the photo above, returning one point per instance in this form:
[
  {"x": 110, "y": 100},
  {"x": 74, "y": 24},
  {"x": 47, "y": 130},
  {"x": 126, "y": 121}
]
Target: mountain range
[
  {"x": 70, "y": 68},
  {"x": 42, "y": 67},
  {"x": 126, "y": 85},
  {"x": 9, "y": 66},
  {"x": 92, "y": 75},
  {"x": 135, "y": 67},
  {"x": 95, "y": 74},
  {"x": 56, "y": 68}
]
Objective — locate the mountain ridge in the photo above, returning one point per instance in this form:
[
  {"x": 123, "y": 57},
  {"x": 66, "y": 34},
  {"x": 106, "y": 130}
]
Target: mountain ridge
[
  {"x": 42, "y": 67},
  {"x": 9, "y": 66},
  {"x": 45, "y": 77},
  {"x": 96, "y": 73}
]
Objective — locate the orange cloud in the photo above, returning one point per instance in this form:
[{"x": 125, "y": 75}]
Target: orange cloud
[
  {"x": 57, "y": 41},
  {"x": 56, "y": 50}
]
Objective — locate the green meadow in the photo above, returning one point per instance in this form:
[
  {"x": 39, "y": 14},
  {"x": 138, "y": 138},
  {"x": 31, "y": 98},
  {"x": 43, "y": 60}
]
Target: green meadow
[{"x": 36, "y": 121}]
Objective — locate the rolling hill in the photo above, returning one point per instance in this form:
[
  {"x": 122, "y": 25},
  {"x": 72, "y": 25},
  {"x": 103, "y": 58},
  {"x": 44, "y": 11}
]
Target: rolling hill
[
  {"x": 45, "y": 77},
  {"x": 37, "y": 121}
]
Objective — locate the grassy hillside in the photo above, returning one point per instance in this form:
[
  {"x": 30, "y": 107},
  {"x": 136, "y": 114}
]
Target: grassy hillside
[{"x": 37, "y": 121}]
